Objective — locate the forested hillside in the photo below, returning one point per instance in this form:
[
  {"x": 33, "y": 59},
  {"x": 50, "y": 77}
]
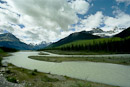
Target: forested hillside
[{"x": 118, "y": 45}]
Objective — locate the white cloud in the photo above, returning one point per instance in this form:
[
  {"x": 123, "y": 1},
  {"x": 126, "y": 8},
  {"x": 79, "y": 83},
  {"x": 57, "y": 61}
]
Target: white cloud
[
  {"x": 121, "y": 20},
  {"x": 80, "y": 6},
  {"x": 91, "y": 21},
  {"x": 43, "y": 19},
  {"x": 8, "y": 16},
  {"x": 124, "y": 1},
  {"x": 48, "y": 14}
]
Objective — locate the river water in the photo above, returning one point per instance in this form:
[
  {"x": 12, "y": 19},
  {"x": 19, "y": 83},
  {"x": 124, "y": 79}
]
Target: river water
[{"x": 113, "y": 74}]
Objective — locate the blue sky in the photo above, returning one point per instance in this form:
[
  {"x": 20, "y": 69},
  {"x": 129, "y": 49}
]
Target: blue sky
[
  {"x": 106, "y": 6},
  {"x": 51, "y": 20}
]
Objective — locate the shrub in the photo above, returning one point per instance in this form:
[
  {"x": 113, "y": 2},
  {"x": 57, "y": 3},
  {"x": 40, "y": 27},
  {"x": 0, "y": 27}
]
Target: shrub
[
  {"x": 33, "y": 73},
  {"x": 0, "y": 61},
  {"x": 11, "y": 79},
  {"x": 47, "y": 79},
  {"x": 8, "y": 71},
  {"x": 35, "y": 70}
]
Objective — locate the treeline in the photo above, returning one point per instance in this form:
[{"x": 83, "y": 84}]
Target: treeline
[
  {"x": 5, "y": 49},
  {"x": 107, "y": 45}
]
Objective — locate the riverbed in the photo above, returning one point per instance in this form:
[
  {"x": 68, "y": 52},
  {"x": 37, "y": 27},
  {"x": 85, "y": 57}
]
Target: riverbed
[{"x": 113, "y": 74}]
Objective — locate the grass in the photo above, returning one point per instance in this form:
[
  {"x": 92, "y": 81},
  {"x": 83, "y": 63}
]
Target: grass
[
  {"x": 61, "y": 52},
  {"x": 114, "y": 60},
  {"x": 0, "y": 61},
  {"x": 41, "y": 53},
  {"x": 11, "y": 79},
  {"x": 47, "y": 79},
  {"x": 2, "y": 54},
  {"x": 20, "y": 75},
  {"x": 93, "y": 41},
  {"x": 96, "y": 46}
]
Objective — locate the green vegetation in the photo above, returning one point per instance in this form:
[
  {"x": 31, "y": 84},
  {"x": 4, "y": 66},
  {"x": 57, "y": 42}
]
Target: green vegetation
[
  {"x": 108, "y": 45},
  {"x": 3, "y": 52},
  {"x": 47, "y": 79},
  {"x": 73, "y": 52},
  {"x": 0, "y": 60},
  {"x": 117, "y": 44},
  {"x": 115, "y": 60},
  {"x": 82, "y": 85},
  {"x": 43, "y": 53},
  {"x": 5, "y": 49},
  {"x": 11, "y": 79},
  {"x": 83, "y": 35}
]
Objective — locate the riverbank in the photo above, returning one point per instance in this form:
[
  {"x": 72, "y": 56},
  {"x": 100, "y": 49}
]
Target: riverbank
[
  {"x": 12, "y": 76},
  {"x": 3, "y": 54},
  {"x": 32, "y": 78},
  {"x": 115, "y": 59},
  {"x": 78, "y": 52}
]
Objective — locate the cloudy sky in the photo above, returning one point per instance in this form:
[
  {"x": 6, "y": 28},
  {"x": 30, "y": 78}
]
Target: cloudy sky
[{"x": 34, "y": 21}]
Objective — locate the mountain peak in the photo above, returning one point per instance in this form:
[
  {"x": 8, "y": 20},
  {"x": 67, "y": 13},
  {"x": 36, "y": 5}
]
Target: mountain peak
[
  {"x": 8, "y": 37},
  {"x": 83, "y": 35},
  {"x": 10, "y": 41},
  {"x": 124, "y": 33}
]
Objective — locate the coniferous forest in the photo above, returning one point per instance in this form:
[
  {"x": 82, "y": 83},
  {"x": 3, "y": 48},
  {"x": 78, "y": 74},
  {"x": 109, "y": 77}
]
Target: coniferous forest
[{"x": 117, "y": 45}]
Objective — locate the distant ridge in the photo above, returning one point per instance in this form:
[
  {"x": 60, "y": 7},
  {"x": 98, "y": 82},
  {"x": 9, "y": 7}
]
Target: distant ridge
[
  {"x": 10, "y": 41},
  {"x": 124, "y": 33},
  {"x": 83, "y": 35}
]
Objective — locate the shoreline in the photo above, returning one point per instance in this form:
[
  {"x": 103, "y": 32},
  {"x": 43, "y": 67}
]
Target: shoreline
[
  {"x": 60, "y": 52},
  {"x": 49, "y": 80},
  {"x": 51, "y": 57},
  {"x": 20, "y": 77}
]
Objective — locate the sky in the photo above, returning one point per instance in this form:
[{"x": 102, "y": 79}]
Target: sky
[{"x": 34, "y": 21}]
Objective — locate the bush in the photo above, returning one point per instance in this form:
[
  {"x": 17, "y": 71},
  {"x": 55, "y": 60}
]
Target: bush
[
  {"x": 5, "y": 49},
  {"x": 11, "y": 79},
  {"x": 35, "y": 70},
  {"x": 8, "y": 71},
  {"x": 0, "y": 61},
  {"x": 47, "y": 79},
  {"x": 33, "y": 73}
]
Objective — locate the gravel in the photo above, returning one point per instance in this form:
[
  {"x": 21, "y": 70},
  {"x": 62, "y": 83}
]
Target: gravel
[{"x": 5, "y": 83}]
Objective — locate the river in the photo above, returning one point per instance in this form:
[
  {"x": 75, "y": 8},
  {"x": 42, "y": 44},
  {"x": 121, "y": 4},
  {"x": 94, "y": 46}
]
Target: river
[{"x": 112, "y": 74}]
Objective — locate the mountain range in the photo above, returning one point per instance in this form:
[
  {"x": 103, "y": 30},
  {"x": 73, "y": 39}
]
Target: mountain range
[
  {"x": 124, "y": 33},
  {"x": 10, "y": 41},
  {"x": 95, "y": 33},
  {"x": 119, "y": 43},
  {"x": 83, "y": 35},
  {"x": 43, "y": 44}
]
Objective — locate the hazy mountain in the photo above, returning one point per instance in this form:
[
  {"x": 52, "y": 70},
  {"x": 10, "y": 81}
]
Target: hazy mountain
[
  {"x": 10, "y": 41},
  {"x": 83, "y": 35},
  {"x": 124, "y": 33},
  {"x": 43, "y": 44},
  {"x": 8, "y": 37}
]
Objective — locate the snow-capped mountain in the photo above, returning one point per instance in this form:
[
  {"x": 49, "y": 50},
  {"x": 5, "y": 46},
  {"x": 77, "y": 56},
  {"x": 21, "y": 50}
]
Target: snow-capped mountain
[
  {"x": 43, "y": 44},
  {"x": 110, "y": 33}
]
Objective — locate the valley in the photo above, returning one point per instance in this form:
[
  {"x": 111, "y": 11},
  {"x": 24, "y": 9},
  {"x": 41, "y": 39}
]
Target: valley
[
  {"x": 64, "y": 43},
  {"x": 84, "y": 70},
  {"x": 74, "y": 61}
]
